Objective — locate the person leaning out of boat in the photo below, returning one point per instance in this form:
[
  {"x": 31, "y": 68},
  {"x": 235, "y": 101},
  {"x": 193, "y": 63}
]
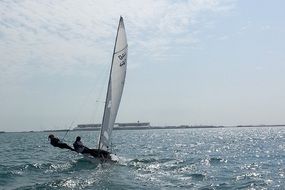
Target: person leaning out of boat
[
  {"x": 57, "y": 143},
  {"x": 80, "y": 148},
  {"x": 78, "y": 145}
]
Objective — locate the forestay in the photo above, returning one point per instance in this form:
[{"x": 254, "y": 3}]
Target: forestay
[{"x": 115, "y": 86}]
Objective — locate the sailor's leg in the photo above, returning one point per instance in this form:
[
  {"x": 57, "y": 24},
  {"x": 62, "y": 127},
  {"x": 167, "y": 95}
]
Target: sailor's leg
[{"x": 64, "y": 145}]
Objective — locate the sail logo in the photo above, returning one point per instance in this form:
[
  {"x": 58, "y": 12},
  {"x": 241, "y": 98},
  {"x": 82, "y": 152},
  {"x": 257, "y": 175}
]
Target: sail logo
[
  {"x": 122, "y": 57},
  {"x": 122, "y": 63}
]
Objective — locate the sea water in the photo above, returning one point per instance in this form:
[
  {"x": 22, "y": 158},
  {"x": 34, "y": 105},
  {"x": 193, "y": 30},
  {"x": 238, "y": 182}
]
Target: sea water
[{"x": 222, "y": 158}]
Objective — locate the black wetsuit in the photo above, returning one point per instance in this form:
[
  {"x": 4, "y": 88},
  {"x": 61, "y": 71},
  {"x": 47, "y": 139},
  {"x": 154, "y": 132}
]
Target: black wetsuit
[
  {"x": 97, "y": 153},
  {"x": 56, "y": 143}
]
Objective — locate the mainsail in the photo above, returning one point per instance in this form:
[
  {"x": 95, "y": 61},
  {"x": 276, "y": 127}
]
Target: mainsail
[{"x": 115, "y": 86}]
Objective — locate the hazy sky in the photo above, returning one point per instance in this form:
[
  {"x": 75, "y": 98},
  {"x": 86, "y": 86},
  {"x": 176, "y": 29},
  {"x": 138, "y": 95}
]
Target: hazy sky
[{"x": 219, "y": 62}]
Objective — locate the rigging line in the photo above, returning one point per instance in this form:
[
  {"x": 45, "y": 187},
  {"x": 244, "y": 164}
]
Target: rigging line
[
  {"x": 103, "y": 79},
  {"x": 86, "y": 98},
  {"x": 67, "y": 130}
]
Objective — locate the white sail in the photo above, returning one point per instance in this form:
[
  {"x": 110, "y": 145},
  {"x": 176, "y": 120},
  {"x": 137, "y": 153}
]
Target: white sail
[{"x": 115, "y": 86}]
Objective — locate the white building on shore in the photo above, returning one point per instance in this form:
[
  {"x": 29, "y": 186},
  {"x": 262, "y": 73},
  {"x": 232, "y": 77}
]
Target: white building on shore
[{"x": 118, "y": 126}]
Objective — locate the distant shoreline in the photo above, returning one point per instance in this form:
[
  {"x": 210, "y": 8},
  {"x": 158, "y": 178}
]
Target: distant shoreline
[
  {"x": 168, "y": 127},
  {"x": 152, "y": 128}
]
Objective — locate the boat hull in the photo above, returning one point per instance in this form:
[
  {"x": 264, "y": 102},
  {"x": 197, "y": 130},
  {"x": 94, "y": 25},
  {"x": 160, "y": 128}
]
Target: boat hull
[{"x": 97, "y": 160}]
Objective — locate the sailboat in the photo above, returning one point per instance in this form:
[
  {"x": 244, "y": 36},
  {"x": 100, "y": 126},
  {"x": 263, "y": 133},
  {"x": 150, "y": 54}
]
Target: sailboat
[{"x": 114, "y": 90}]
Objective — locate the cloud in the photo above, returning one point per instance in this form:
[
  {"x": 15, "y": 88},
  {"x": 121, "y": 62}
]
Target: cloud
[
  {"x": 54, "y": 36},
  {"x": 265, "y": 27}
]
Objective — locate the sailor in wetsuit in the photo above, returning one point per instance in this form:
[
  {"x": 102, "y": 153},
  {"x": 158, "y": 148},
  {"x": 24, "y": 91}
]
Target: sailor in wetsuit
[
  {"x": 56, "y": 143},
  {"x": 80, "y": 148}
]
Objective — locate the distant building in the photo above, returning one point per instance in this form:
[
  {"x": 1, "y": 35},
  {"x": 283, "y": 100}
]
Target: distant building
[
  {"x": 137, "y": 124},
  {"x": 91, "y": 127},
  {"x": 87, "y": 127}
]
